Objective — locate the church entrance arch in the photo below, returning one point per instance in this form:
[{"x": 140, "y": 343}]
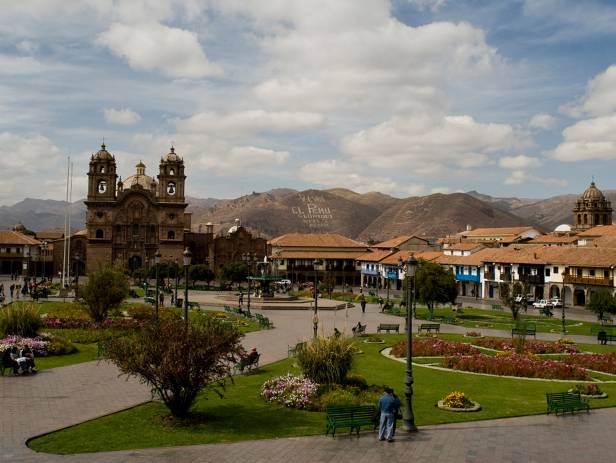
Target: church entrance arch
[
  {"x": 555, "y": 291},
  {"x": 134, "y": 263}
]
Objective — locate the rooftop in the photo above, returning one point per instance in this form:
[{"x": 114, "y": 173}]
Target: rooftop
[
  {"x": 15, "y": 238},
  {"x": 316, "y": 240}
]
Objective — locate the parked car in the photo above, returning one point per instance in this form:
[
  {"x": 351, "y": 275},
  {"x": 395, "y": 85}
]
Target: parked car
[
  {"x": 556, "y": 302},
  {"x": 542, "y": 304},
  {"x": 530, "y": 298}
]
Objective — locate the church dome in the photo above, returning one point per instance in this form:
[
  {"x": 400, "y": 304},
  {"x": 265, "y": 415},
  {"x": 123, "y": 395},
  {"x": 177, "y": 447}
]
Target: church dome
[
  {"x": 563, "y": 228},
  {"x": 172, "y": 156},
  {"x": 103, "y": 153},
  {"x": 20, "y": 228},
  {"x": 140, "y": 179},
  {"x": 593, "y": 193}
]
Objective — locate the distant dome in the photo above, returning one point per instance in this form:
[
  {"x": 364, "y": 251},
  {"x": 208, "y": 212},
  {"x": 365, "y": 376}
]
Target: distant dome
[
  {"x": 172, "y": 156},
  {"x": 140, "y": 179},
  {"x": 103, "y": 153},
  {"x": 593, "y": 193},
  {"x": 563, "y": 228},
  {"x": 20, "y": 228}
]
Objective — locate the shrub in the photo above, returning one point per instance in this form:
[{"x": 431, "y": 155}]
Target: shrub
[
  {"x": 587, "y": 389},
  {"x": 20, "y": 319},
  {"x": 457, "y": 399},
  {"x": 178, "y": 362},
  {"x": 290, "y": 391},
  {"x": 473, "y": 334},
  {"x": 58, "y": 345},
  {"x": 433, "y": 347},
  {"x": 355, "y": 380},
  {"x": 105, "y": 290},
  {"x": 512, "y": 364},
  {"x": 348, "y": 395},
  {"x": 326, "y": 360}
]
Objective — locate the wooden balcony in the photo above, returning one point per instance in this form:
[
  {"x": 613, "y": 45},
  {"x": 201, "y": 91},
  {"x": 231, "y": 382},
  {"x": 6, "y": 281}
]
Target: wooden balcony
[{"x": 592, "y": 281}]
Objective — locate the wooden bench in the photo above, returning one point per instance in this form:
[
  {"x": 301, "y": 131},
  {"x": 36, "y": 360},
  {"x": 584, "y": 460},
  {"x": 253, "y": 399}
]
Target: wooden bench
[
  {"x": 149, "y": 300},
  {"x": 359, "y": 329},
  {"x": 292, "y": 351},
  {"x": 604, "y": 337},
  {"x": 524, "y": 330},
  {"x": 350, "y": 416},
  {"x": 429, "y": 327},
  {"x": 388, "y": 327},
  {"x": 497, "y": 307},
  {"x": 565, "y": 401}
]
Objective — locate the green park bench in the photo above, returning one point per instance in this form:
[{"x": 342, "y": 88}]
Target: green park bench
[
  {"x": 566, "y": 401},
  {"x": 292, "y": 351},
  {"x": 350, "y": 416},
  {"x": 246, "y": 364},
  {"x": 388, "y": 327},
  {"x": 497, "y": 307},
  {"x": 605, "y": 336},
  {"x": 429, "y": 327},
  {"x": 524, "y": 330}
]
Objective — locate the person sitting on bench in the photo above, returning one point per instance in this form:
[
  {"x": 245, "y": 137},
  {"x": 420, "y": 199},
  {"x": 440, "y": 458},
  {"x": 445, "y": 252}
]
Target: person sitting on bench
[{"x": 27, "y": 354}]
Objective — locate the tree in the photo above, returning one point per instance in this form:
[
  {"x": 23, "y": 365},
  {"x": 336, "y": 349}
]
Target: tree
[
  {"x": 513, "y": 297},
  {"x": 235, "y": 272},
  {"x": 601, "y": 302},
  {"x": 105, "y": 290},
  {"x": 200, "y": 272},
  {"x": 178, "y": 362},
  {"x": 434, "y": 285}
]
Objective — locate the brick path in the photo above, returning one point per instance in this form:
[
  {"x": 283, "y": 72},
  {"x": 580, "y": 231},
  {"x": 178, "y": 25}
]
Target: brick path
[{"x": 64, "y": 396}]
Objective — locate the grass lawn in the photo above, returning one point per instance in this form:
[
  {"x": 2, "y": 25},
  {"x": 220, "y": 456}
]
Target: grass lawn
[
  {"x": 475, "y": 319},
  {"x": 85, "y": 353},
  {"x": 242, "y": 415}
]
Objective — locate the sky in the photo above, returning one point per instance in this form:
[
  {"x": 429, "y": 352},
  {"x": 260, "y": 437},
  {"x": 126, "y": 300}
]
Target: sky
[{"x": 405, "y": 97}]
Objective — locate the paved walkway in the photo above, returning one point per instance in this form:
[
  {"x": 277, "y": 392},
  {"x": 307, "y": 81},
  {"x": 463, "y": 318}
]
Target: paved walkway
[{"x": 64, "y": 396}]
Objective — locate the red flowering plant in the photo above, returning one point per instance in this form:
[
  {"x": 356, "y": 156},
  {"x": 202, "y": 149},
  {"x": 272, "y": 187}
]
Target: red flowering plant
[
  {"x": 536, "y": 347},
  {"x": 605, "y": 362},
  {"x": 433, "y": 347},
  {"x": 512, "y": 364}
]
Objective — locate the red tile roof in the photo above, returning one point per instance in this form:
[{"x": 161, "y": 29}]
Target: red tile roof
[{"x": 315, "y": 240}]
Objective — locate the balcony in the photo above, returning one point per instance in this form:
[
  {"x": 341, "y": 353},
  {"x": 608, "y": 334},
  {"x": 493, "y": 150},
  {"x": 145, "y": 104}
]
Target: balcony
[
  {"x": 471, "y": 278},
  {"x": 505, "y": 276},
  {"x": 592, "y": 281},
  {"x": 370, "y": 272},
  {"x": 532, "y": 279},
  {"x": 489, "y": 275}
]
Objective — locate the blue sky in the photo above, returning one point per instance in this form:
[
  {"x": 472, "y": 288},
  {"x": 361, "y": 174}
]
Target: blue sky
[{"x": 407, "y": 97}]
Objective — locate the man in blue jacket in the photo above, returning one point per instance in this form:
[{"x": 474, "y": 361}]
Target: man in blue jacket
[{"x": 389, "y": 404}]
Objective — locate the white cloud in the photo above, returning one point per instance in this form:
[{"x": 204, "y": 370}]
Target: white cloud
[
  {"x": 588, "y": 139},
  {"x": 247, "y": 122},
  {"x": 432, "y": 5},
  {"x": 122, "y": 116},
  {"x": 429, "y": 142},
  {"x": 243, "y": 159},
  {"x": 600, "y": 97},
  {"x": 518, "y": 177},
  {"x": 335, "y": 173},
  {"x": 542, "y": 121},
  {"x": 152, "y": 46},
  {"x": 20, "y": 65},
  {"x": 520, "y": 162}
]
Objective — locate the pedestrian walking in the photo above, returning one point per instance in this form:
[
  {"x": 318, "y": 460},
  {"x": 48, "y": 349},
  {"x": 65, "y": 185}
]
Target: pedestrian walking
[
  {"x": 161, "y": 298},
  {"x": 362, "y": 302},
  {"x": 389, "y": 404}
]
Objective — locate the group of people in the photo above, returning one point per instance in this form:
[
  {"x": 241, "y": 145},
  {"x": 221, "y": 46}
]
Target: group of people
[{"x": 21, "y": 360}]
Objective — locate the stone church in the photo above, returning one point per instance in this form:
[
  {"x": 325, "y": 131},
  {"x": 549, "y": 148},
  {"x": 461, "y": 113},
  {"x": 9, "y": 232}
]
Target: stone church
[
  {"x": 591, "y": 209},
  {"x": 128, "y": 221}
]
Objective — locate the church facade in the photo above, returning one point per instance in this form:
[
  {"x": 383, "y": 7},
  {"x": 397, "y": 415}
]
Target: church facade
[
  {"x": 591, "y": 209},
  {"x": 128, "y": 221}
]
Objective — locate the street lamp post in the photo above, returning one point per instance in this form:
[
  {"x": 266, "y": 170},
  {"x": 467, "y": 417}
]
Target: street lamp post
[
  {"x": 177, "y": 280},
  {"x": 563, "y": 326},
  {"x": 408, "y": 416},
  {"x": 44, "y": 248},
  {"x": 187, "y": 255},
  {"x": 248, "y": 258},
  {"x": 156, "y": 262},
  {"x": 315, "y": 318},
  {"x": 77, "y": 260}
]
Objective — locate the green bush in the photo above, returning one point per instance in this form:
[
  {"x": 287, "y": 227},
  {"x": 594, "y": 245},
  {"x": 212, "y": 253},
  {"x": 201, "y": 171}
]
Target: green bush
[
  {"x": 59, "y": 345},
  {"x": 355, "y": 380},
  {"x": 105, "y": 290},
  {"x": 21, "y": 320},
  {"x": 326, "y": 360},
  {"x": 348, "y": 395}
]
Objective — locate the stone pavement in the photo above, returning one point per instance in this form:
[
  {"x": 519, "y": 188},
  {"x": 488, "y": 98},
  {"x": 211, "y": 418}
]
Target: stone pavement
[{"x": 69, "y": 395}]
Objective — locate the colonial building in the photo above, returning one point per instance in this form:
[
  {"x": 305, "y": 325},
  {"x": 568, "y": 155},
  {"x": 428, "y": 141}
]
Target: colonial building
[
  {"x": 128, "y": 221},
  {"x": 592, "y": 209},
  {"x": 19, "y": 253}
]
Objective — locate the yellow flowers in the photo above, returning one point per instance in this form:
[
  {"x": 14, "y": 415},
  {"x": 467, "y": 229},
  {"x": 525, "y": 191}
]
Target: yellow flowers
[{"x": 457, "y": 399}]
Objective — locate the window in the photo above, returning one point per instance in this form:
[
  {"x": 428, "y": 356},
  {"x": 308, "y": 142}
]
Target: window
[
  {"x": 578, "y": 272},
  {"x": 606, "y": 274},
  {"x": 102, "y": 169},
  {"x": 604, "y": 219},
  {"x": 547, "y": 272},
  {"x": 585, "y": 219},
  {"x": 591, "y": 272},
  {"x": 579, "y": 219},
  {"x": 555, "y": 270},
  {"x": 102, "y": 186},
  {"x": 597, "y": 219},
  {"x": 100, "y": 234},
  {"x": 170, "y": 235},
  {"x": 171, "y": 171}
]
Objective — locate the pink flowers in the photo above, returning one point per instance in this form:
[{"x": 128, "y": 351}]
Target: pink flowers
[
  {"x": 290, "y": 391},
  {"x": 67, "y": 323},
  {"x": 37, "y": 345},
  {"x": 433, "y": 347},
  {"x": 601, "y": 362},
  {"x": 536, "y": 347},
  {"x": 516, "y": 365}
]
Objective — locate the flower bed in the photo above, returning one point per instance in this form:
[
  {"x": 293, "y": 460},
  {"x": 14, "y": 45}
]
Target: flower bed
[
  {"x": 290, "y": 391},
  {"x": 591, "y": 390},
  {"x": 515, "y": 365},
  {"x": 76, "y": 323},
  {"x": 535, "y": 347},
  {"x": 433, "y": 347},
  {"x": 457, "y": 401},
  {"x": 605, "y": 362},
  {"x": 37, "y": 345}
]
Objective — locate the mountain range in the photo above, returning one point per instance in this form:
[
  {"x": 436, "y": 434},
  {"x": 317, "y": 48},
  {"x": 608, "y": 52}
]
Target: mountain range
[{"x": 367, "y": 217}]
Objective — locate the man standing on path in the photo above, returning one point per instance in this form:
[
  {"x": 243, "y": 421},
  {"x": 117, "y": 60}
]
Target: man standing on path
[
  {"x": 388, "y": 405},
  {"x": 362, "y": 302}
]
